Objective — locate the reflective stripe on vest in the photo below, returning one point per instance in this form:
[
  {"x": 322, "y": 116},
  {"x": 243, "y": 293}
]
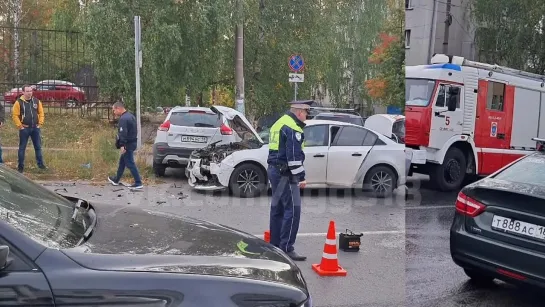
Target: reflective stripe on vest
[{"x": 274, "y": 133}]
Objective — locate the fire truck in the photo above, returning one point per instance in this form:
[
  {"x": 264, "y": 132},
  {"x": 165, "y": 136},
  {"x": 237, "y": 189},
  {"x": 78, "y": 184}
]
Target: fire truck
[{"x": 465, "y": 118}]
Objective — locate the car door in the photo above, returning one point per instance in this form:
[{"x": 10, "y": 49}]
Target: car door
[
  {"x": 22, "y": 283},
  {"x": 316, "y": 148},
  {"x": 346, "y": 154},
  {"x": 446, "y": 124}
]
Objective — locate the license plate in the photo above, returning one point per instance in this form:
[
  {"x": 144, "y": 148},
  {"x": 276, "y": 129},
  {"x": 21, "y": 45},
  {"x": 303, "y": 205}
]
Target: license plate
[
  {"x": 193, "y": 139},
  {"x": 518, "y": 227}
]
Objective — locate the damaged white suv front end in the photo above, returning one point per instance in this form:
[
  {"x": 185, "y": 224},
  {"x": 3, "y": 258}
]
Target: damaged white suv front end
[{"x": 239, "y": 166}]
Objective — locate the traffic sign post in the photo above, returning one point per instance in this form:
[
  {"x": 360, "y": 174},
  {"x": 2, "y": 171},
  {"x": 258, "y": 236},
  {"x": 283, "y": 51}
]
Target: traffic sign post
[{"x": 296, "y": 64}]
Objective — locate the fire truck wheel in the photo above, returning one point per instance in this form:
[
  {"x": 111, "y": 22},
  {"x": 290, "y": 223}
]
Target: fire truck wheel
[{"x": 450, "y": 175}]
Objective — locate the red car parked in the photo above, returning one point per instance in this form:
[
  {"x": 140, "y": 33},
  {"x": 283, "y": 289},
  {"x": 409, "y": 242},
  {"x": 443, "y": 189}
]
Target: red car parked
[{"x": 51, "y": 92}]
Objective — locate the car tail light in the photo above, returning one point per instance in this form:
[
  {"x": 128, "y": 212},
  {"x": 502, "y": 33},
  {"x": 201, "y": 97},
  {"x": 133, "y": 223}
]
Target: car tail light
[
  {"x": 511, "y": 274},
  {"x": 468, "y": 206},
  {"x": 195, "y": 111},
  {"x": 225, "y": 130},
  {"x": 164, "y": 126}
]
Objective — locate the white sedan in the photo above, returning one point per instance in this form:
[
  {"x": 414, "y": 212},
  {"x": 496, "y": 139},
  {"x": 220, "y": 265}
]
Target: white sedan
[{"x": 337, "y": 155}]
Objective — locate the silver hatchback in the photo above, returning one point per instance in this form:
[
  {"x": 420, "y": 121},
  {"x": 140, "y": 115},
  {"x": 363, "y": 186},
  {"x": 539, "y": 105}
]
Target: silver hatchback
[{"x": 186, "y": 129}]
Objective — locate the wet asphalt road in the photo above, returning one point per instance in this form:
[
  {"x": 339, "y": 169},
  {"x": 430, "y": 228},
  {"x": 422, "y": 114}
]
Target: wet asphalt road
[
  {"x": 432, "y": 279},
  {"x": 376, "y": 274}
]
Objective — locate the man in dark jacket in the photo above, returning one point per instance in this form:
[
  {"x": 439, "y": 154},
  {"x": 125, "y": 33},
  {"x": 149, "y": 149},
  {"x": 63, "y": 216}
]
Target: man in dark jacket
[{"x": 126, "y": 141}]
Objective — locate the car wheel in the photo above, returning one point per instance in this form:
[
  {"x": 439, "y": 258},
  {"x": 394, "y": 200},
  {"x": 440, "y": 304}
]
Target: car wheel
[
  {"x": 450, "y": 175},
  {"x": 159, "y": 169},
  {"x": 381, "y": 180},
  {"x": 248, "y": 180},
  {"x": 478, "y": 277},
  {"x": 71, "y": 103}
]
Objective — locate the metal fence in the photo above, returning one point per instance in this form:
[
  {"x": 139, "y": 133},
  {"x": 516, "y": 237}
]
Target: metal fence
[{"x": 56, "y": 65}]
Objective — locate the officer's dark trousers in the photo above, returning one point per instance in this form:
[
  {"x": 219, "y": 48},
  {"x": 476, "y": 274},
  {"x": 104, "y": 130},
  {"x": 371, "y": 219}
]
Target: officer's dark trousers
[{"x": 285, "y": 210}]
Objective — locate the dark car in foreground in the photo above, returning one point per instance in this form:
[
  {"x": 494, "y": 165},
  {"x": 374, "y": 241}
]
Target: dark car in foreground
[
  {"x": 498, "y": 231},
  {"x": 62, "y": 251}
]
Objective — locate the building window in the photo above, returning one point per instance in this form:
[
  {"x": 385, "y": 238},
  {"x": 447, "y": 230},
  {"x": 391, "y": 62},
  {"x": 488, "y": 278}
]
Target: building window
[
  {"x": 407, "y": 38},
  {"x": 408, "y": 4}
]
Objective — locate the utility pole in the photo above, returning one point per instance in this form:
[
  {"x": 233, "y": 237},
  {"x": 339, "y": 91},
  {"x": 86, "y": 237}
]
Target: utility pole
[
  {"x": 137, "y": 66},
  {"x": 239, "y": 65},
  {"x": 431, "y": 46},
  {"x": 448, "y": 22}
]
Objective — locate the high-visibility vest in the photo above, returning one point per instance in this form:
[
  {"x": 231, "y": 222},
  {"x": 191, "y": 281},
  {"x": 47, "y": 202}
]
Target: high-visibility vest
[{"x": 274, "y": 133}]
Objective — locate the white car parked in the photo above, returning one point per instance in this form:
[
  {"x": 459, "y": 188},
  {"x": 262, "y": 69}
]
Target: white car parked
[
  {"x": 186, "y": 129},
  {"x": 337, "y": 155}
]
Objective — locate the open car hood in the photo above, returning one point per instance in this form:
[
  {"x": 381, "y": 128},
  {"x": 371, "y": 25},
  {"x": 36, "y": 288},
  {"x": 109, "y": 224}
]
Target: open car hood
[
  {"x": 382, "y": 123},
  {"x": 238, "y": 122}
]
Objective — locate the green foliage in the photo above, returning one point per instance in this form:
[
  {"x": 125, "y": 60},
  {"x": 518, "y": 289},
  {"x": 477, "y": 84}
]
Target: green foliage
[
  {"x": 387, "y": 86},
  {"x": 511, "y": 33},
  {"x": 189, "y": 46}
]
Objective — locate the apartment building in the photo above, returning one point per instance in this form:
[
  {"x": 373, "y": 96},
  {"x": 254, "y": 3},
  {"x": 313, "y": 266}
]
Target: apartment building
[{"x": 438, "y": 26}]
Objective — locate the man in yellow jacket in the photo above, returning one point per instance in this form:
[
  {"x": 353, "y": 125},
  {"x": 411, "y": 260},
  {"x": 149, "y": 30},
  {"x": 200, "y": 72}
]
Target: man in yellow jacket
[{"x": 28, "y": 116}]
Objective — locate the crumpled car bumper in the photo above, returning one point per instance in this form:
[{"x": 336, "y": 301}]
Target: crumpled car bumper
[{"x": 213, "y": 177}]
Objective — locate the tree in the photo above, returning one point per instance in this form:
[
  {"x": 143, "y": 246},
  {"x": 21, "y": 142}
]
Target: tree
[
  {"x": 511, "y": 33},
  {"x": 387, "y": 86}
]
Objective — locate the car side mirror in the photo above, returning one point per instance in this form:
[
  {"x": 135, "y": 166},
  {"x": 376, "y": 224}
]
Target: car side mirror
[
  {"x": 4, "y": 257},
  {"x": 452, "y": 105}
]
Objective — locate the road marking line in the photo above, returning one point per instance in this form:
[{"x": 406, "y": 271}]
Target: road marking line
[
  {"x": 428, "y": 207},
  {"x": 320, "y": 234}
]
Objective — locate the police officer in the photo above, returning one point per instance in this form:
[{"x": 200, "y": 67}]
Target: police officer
[
  {"x": 287, "y": 176},
  {"x": 126, "y": 141}
]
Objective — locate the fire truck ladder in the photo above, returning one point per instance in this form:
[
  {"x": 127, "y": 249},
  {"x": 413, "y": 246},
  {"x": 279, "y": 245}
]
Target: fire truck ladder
[{"x": 503, "y": 69}]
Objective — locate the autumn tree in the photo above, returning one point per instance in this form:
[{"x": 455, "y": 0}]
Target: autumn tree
[{"x": 387, "y": 86}]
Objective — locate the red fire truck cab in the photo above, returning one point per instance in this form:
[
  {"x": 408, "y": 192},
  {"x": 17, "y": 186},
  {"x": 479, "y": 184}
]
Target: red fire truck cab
[{"x": 468, "y": 118}]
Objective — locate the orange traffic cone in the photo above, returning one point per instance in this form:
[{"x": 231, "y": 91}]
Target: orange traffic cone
[
  {"x": 330, "y": 264},
  {"x": 267, "y": 236}
]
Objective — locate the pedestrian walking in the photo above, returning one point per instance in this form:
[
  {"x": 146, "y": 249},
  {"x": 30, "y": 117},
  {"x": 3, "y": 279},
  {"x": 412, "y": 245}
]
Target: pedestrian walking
[
  {"x": 126, "y": 142},
  {"x": 287, "y": 175},
  {"x": 28, "y": 115}
]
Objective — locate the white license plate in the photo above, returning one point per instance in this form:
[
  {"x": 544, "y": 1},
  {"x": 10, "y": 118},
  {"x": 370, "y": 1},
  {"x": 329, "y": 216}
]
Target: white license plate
[
  {"x": 518, "y": 227},
  {"x": 193, "y": 139}
]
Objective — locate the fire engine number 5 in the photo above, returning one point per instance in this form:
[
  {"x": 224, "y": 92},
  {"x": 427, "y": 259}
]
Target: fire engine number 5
[{"x": 447, "y": 120}]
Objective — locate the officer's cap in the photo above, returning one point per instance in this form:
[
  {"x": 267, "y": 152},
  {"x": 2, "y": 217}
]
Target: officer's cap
[{"x": 301, "y": 104}]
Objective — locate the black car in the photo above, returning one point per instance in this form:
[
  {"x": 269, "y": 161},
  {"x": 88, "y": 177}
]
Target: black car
[
  {"x": 341, "y": 117},
  {"x": 499, "y": 225},
  {"x": 61, "y": 251}
]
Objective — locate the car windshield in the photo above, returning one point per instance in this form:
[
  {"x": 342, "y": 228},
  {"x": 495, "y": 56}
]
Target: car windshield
[
  {"x": 418, "y": 92},
  {"x": 264, "y": 134},
  {"x": 37, "y": 212},
  {"x": 530, "y": 170},
  {"x": 243, "y": 131},
  {"x": 195, "y": 119},
  {"x": 399, "y": 130}
]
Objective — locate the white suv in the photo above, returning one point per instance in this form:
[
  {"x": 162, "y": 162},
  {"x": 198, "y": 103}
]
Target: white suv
[{"x": 186, "y": 129}]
